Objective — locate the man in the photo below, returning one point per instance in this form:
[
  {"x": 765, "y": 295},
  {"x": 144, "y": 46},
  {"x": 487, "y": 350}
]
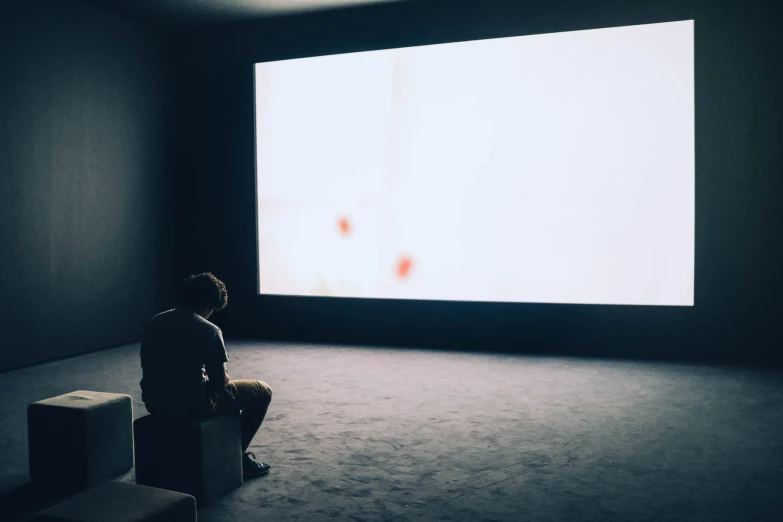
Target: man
[{"x": 183, "y": 361}]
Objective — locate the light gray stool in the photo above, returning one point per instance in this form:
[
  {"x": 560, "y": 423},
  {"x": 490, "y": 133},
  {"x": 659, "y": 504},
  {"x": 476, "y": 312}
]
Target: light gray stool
[
  {"x": 199, "y": 457},
  {"x": 79, "y": 439},
  {"x": 123, "y": 502}
]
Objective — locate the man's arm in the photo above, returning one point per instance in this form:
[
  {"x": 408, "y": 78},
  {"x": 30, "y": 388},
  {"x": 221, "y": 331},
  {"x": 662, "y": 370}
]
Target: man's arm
[
  {"x": 218, "y": 377},
  {"x": 215, "y": 358}
]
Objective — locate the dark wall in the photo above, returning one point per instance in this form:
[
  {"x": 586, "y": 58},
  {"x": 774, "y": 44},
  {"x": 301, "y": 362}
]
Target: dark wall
[
  {"x": 738, "y": 184},
  {"x": 84, "y": 225}
]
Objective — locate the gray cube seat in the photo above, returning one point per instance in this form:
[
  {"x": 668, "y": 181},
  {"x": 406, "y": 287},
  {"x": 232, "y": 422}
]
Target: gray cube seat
[
  {"x": 123, "y": 502},
  {"x": 87, "y": 433},
  {"x": 199, "y": 457}
]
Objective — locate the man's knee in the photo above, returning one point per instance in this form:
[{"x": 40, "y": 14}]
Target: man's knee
[{"x": 264, "y": 392}]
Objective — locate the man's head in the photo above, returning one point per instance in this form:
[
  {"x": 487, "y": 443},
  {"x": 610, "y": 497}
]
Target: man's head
[{"x": 204, "y": 294}]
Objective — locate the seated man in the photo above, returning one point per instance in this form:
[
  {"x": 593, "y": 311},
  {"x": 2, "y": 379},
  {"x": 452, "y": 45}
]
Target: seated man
[{"x": 183, "y": 361}]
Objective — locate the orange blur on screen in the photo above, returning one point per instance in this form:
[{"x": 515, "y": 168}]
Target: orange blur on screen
[
  {"x": 404, "y": 267},
  {"x": 344, "y": 225}
]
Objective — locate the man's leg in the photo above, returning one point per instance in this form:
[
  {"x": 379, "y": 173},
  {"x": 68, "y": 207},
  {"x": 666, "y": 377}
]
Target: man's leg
[{"x": 252, "y": 398}]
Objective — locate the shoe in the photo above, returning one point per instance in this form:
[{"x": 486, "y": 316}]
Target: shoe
[{"x": 251, "y": 467}]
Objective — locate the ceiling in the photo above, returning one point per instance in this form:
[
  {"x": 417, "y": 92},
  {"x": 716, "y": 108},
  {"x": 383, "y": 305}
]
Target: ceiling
[{"x": 203, "y": 12}]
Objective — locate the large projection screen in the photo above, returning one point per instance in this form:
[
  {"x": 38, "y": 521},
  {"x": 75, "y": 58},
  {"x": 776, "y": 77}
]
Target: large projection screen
[{"x": 555, "y": 168}]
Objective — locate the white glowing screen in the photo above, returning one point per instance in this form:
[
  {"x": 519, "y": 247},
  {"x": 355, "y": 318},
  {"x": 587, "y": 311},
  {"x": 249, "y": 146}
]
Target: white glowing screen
[{"x": 552, "y": 168}]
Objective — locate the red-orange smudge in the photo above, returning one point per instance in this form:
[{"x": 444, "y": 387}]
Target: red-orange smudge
[
  {"x": 404, "y": 266},
  {"x": 344, "y": 225}
]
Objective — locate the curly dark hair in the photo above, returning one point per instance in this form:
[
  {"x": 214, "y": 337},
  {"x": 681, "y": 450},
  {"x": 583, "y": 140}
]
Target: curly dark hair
[{"x": 204, "y": 292}]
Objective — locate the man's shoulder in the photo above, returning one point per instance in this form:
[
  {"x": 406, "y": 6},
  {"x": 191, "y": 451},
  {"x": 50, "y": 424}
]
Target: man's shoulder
[
  {"x": 179, "y": 319},
  {"x": 160, "y": 318},
  {"x": 207, "y": 325}
]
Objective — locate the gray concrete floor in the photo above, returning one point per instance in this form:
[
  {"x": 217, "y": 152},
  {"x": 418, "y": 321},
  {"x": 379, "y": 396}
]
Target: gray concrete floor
[{"x": 379, "y": 434}]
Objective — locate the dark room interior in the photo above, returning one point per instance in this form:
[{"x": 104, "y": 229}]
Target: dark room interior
[{"x": 128, "y": 162}]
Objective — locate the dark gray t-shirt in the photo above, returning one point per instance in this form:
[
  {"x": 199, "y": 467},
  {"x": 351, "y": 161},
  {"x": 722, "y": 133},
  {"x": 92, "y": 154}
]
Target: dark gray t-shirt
[{"x": 176, "y": 345}]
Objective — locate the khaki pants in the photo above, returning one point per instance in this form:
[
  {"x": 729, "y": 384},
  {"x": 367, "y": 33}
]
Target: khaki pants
[{"x": 252, "y": 398}]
